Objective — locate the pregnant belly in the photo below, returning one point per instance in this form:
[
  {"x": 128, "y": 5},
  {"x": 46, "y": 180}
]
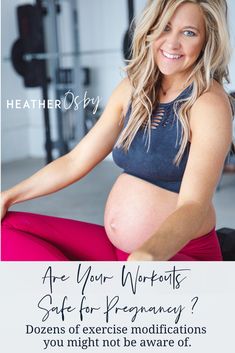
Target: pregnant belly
[{"x": 134, "y": 211}]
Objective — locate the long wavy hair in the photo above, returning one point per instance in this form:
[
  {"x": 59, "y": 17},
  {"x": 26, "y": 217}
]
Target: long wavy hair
[{"x": 145, "y": 77}]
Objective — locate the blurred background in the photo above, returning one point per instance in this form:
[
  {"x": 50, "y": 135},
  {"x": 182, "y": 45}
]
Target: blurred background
[{"x": 71, "y": 53}]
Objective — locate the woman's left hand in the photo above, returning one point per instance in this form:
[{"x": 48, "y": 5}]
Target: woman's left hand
[{"x": 140, "y": 255}]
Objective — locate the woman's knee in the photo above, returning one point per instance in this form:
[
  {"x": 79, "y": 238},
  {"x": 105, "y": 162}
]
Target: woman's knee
[
  {"x": 8, "y": 220},
  {"x": 14, "y": 220}
]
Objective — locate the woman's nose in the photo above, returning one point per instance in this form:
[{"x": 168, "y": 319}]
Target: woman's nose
[{"x": 173, "y": 41}]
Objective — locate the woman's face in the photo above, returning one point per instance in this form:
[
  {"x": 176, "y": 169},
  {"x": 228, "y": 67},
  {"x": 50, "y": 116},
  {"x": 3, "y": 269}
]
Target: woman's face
[{"x": 180, "y": 44}]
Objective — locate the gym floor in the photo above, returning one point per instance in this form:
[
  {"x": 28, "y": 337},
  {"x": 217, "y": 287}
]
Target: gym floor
[{"x": 85, "y": 200}]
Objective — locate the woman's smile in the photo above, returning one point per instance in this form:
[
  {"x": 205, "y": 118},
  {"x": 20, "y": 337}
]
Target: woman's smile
[
  {"x": 171, "y": 57},
  {"x": 177, "y": 49}
]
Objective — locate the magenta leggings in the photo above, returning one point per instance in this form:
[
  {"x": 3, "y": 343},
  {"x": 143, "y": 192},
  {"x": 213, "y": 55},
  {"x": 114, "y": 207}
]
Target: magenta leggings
[{"x": 34, "y": 237}]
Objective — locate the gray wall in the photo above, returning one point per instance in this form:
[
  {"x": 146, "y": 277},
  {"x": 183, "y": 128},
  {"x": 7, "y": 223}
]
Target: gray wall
[{"x": 102, "y": 25}]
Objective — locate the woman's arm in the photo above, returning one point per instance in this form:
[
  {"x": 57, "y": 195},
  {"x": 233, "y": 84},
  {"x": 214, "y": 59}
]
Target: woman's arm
[
  {"x": 211, "y": 136},
  {"x": 92, "y": 149}
]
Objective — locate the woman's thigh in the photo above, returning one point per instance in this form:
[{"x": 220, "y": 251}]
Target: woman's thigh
[
  {"x": 204, "y": 248},
  {"x": 76, "y": 240},
  {"x": 19, "y": 246}
]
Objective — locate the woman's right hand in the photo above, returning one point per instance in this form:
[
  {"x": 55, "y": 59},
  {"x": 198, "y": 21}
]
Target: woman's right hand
[
  {"x": 73, "y": 166},
  {"x": 4, "y": 204}
]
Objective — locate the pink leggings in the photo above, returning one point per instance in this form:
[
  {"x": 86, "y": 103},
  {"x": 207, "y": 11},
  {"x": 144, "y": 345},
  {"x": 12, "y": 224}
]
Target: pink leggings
[{"x": 34, "y": 237}]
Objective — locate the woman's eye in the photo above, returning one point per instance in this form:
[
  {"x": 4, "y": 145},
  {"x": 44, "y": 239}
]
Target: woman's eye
[
  {"x": 167, "y": 28},
  {"x": 189, "y": 33}
]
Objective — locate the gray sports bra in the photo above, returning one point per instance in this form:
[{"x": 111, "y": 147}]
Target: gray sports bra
[{"x": 156, "y": 165}]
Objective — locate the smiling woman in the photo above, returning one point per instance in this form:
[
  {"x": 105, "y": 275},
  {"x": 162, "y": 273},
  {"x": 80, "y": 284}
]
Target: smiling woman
[
  {"x": 169, "y": 124},
  {"x": 182, "y": 41}
]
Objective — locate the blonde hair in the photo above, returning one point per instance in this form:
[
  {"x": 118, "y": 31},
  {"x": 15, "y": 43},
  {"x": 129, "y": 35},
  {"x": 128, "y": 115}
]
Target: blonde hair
[{"x": 145, "y": 77}]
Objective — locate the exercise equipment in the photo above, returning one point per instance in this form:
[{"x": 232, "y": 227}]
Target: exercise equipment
[
  {"x": 226, "y": 238},
  {"x": 31, "y": 40},
  {"x": 38, "y": 57},
  {"x": 39, "y": 36},
  {"x": 128, "y": 36}
]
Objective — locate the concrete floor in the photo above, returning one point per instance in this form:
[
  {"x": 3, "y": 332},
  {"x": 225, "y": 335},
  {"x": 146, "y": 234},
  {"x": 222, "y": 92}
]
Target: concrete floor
[{"x": 85, "y": 200}]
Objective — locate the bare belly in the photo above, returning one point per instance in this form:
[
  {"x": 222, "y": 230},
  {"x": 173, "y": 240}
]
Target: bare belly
[{"x": 135, "y": 209}]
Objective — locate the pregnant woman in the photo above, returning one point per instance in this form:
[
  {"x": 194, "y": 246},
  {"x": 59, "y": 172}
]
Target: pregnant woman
[{"x": 169, "y": 125}]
